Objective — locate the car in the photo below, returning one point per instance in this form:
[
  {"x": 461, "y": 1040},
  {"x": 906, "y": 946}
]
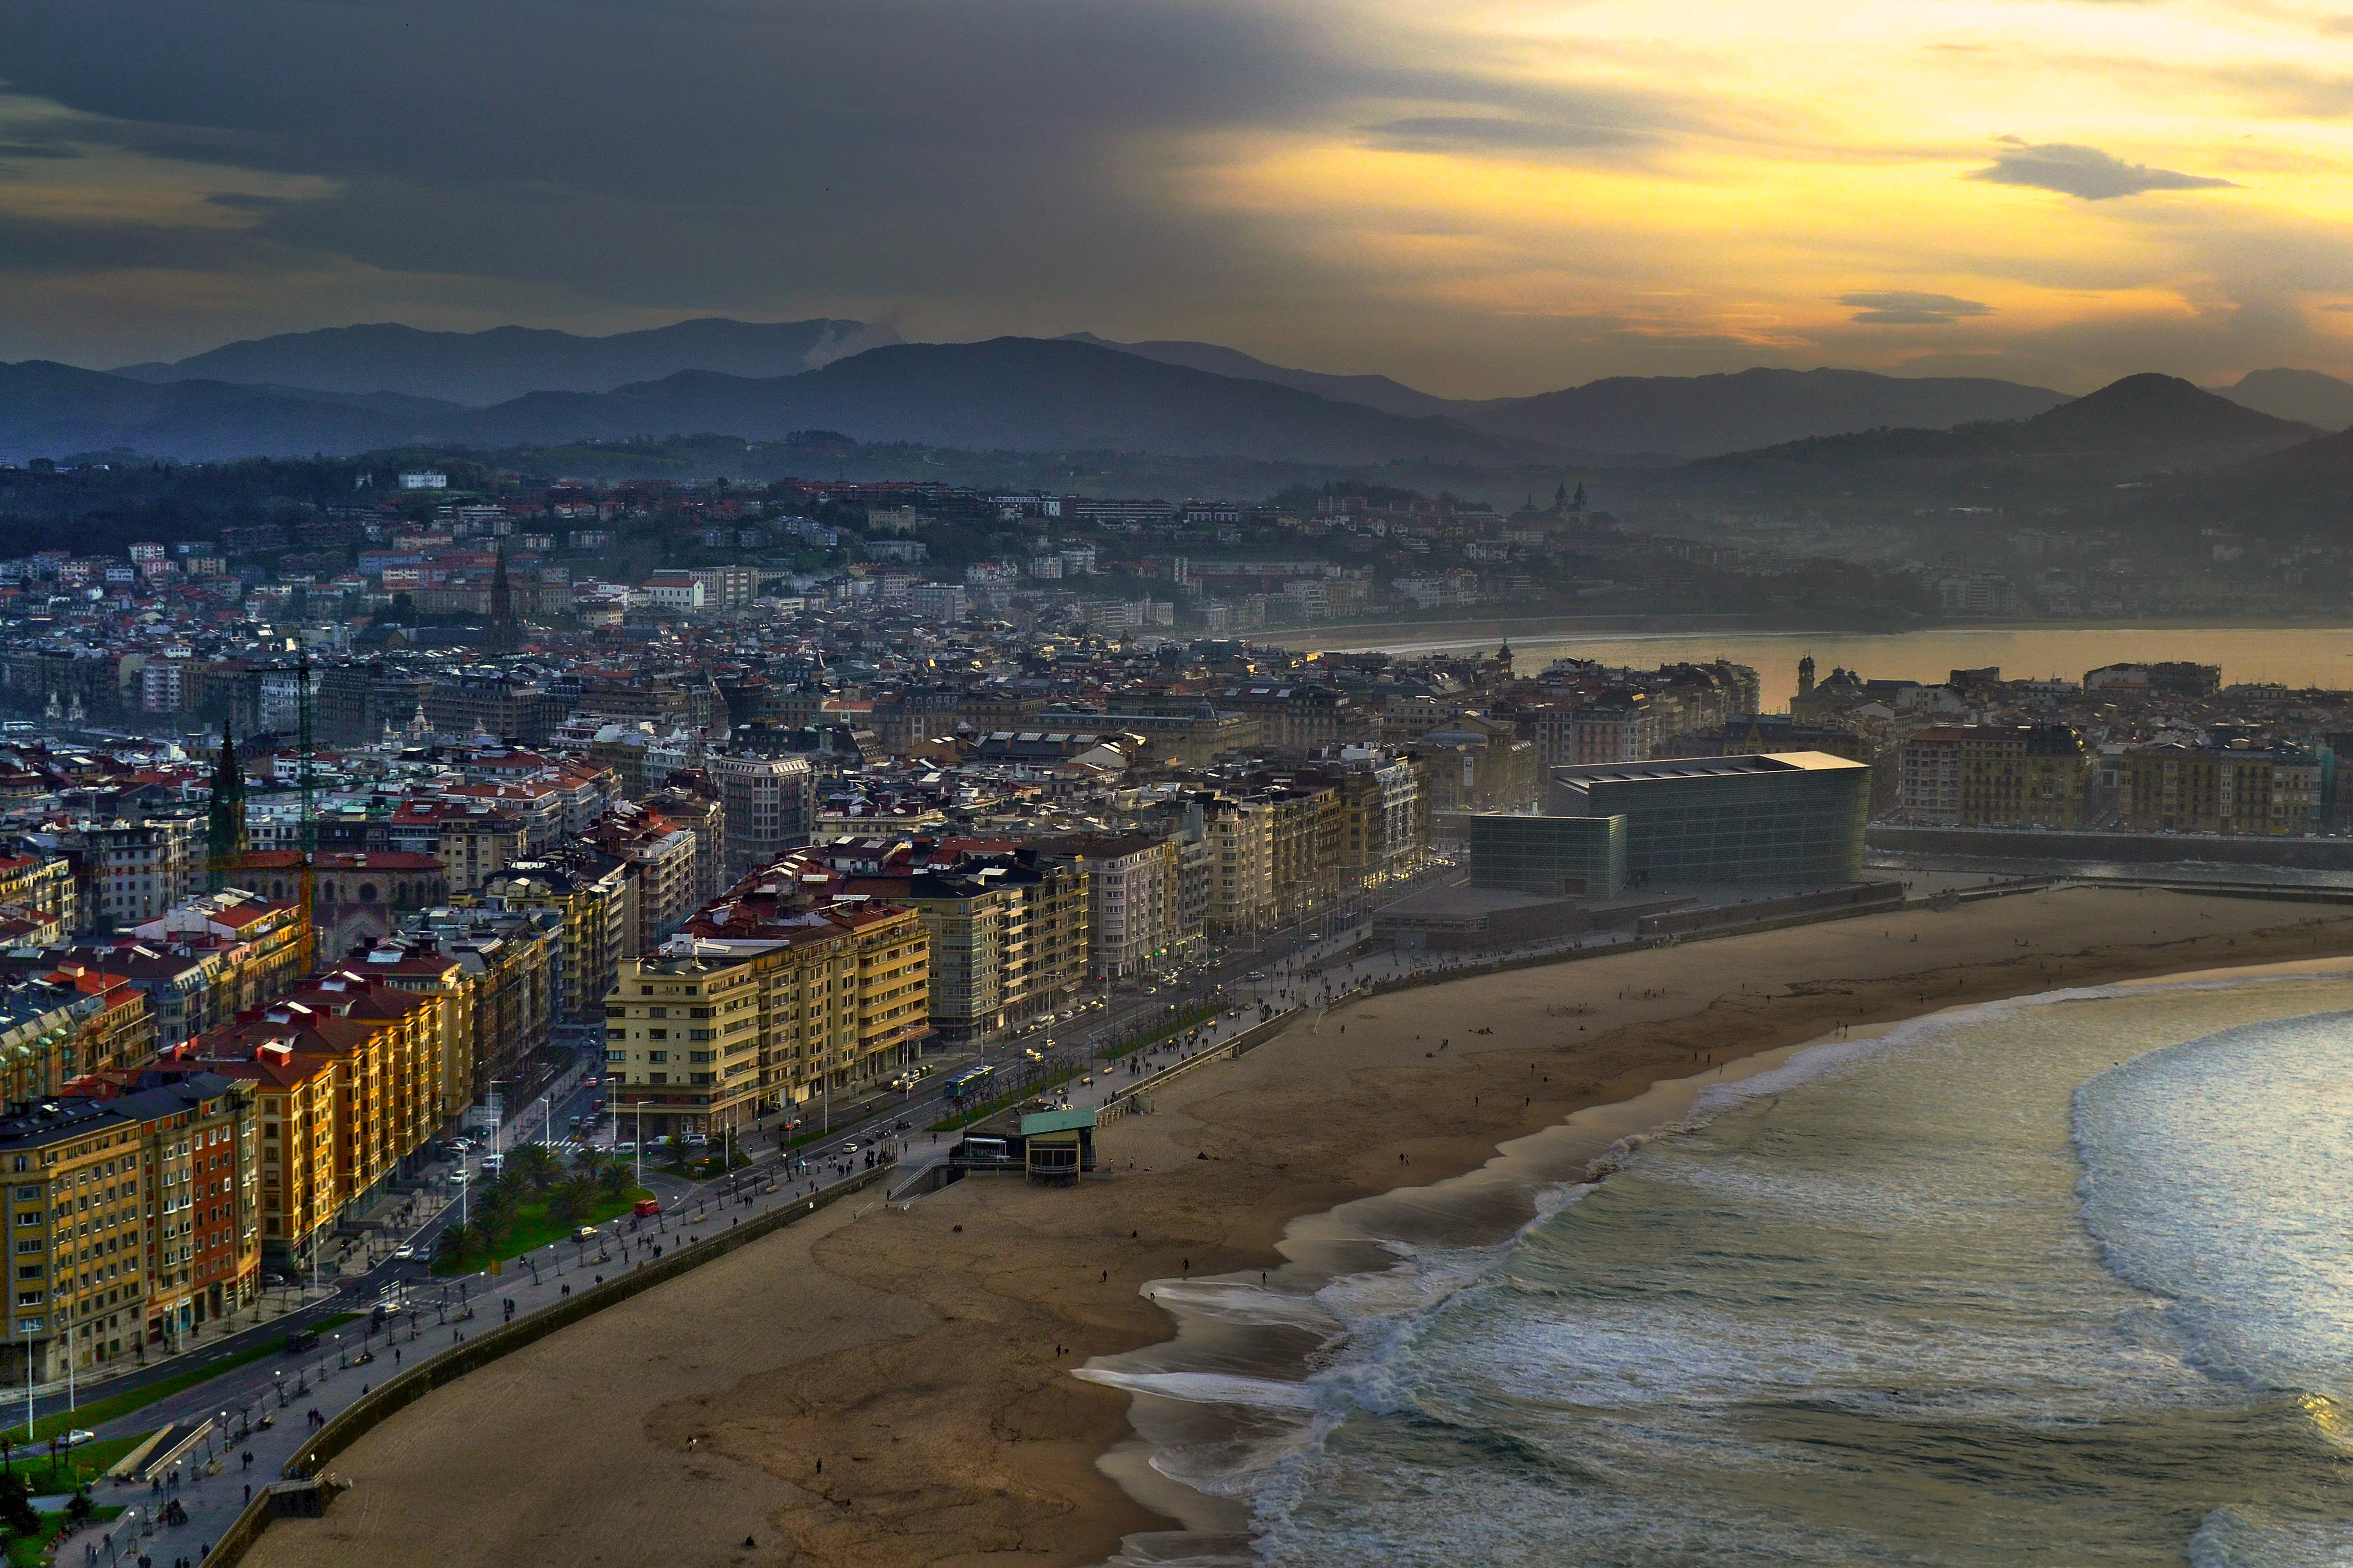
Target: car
[
  {"x": 585, "y": 1233},
  {"x": 1088, "y": 1081},
  {"x": 78, "y": 1436},
  {"x": 458, "y": 1177},
  {"x": 1033, "y": 1053},
  {"x": 407, "y": 1251},
  {"x": 849, "y": 1148},
  {"x": 494, "y": 1162},
  {"x": 646, "y": 1208},
  {"x": 591, "y": 1081}
]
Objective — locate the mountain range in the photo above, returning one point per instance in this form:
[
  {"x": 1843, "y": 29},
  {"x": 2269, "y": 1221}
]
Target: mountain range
[
  {"x": 2140, "y": 424},
  {"x": 481, "y": 368},
  {"x": 349, "y": 389}
]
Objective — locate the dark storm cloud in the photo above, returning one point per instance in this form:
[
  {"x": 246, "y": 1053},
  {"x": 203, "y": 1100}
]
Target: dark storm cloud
[
  {"x": 997, "y": 162},
  {"x": 2085, "y": 171},
  {"x": 668, "y": 153},
  {"x": 1900, "y": 308}
]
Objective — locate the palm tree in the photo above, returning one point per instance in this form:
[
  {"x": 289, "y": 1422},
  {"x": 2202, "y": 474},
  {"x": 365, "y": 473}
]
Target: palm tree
[
  {"x": 615, "y": 1179},
  {"x": 536, "y": 1166},
  {"x": 459, "y": 1241},
  {"x": 589, "y": 1163},
  {"x": 569, "y": 1203}
]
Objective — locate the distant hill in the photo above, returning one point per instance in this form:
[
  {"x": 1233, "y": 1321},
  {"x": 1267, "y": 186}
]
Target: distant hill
[
  {"x": 1371, "y": 391},
  {"x": 1008, "y": 394},
  {"x": 55, "y": 410},
  {"x": 1701, "y": 416},
  {"x": 2159, "y": 411},
  {"x": 1651, "y": 417},
  {"x": 1019, "y": 394},
  {"x": 505, "y": 363},
  {"x": 2140, "y": 424},
  {"x": 2305, "y": 395}
]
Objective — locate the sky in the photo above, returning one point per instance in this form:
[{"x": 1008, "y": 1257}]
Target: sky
[{"x": 1480, "y": 199}]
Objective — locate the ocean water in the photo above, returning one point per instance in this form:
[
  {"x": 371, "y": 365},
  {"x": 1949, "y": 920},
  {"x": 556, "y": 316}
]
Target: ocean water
[{"x": 2061, "y": 1280}]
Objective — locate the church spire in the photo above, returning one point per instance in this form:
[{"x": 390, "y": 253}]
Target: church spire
[{"x": 224, "y": 829}]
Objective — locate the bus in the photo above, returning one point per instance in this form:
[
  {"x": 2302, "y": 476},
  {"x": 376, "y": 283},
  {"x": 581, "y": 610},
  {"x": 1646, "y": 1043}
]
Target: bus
[{"x": 961, "y": 1086}]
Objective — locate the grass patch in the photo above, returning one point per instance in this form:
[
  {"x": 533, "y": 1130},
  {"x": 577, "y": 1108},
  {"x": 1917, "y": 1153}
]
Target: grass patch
[
  {"x": 531, "y": 1227},
  {"x": 990, "y": 1108},
  {"x": 838, "y": 1127},
  {"x": 33, "y": 1551},
  {"x": 93, "y": 1412}
]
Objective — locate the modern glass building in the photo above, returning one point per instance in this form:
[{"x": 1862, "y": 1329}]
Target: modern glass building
[
  {"x": 1521, "y": 852},
  {"x": 1796, "y": 818}
]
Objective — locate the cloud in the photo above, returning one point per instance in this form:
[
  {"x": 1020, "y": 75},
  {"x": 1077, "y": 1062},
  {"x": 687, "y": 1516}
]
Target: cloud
[
  {"x": 1451, "y": 133},
  {"x": 1900, "y": 308},
  {"x": 2086, "y": 172}
]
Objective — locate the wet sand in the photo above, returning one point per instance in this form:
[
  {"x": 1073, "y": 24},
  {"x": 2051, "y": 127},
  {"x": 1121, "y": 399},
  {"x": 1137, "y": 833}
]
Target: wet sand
[{"x": 886, "y": 1387}]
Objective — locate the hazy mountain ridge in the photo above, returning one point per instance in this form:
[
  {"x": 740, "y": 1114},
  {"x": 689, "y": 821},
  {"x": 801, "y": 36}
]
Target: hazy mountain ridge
[
  {"x": 2141, "y": 423},
  {"x": 2304, "y": 395},
  {"x": 1650, "y": 418},
  {"x": 506, "y": 363},
  {"x": 1017, "y": 393},
  {"x": 1381, "y": 392}
]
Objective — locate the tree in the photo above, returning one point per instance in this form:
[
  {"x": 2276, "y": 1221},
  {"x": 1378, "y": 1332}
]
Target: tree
[
  {"x": 77, "y": 1512},
  {"x": 569, "y": 1203},
  {"x": 536, "y": 1166},
  {"x": 457, "y": 1242},
  {"x": 589, "y": 1163},
  {"x": 17, "y": 1515},
  {"x": 615, "y": 1179}
]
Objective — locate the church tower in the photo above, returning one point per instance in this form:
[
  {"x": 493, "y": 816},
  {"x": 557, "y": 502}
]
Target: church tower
[{"x": 225, "y": 832}]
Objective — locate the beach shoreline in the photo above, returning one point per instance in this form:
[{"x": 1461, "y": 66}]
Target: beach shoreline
[{"x": 896, "y": 1386}]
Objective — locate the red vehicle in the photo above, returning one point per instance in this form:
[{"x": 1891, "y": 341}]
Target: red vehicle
[
  {"x": 597, "y": 1104},
  {"x": 647, "y": 1207}
]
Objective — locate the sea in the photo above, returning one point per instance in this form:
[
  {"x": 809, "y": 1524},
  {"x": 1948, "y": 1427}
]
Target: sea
[
  {"x": 2062, "y": 1279},
  {"x": 2291, "y": 655}
]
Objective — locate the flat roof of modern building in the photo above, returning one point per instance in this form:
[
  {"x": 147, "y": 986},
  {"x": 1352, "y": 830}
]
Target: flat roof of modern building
[{"x": 1707, "y": 767}]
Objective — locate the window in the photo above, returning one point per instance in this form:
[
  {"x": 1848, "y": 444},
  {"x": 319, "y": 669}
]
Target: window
[{"x": 657, "y": 1055}]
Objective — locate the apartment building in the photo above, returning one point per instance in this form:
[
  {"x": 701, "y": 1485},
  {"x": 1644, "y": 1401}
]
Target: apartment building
[
  {"x": 1239, "y": 835},
  {"x": 1135, "y": 903},
  {"x": 132, "y": 1217},
  {"x": 595, "y": 897},
  {"x": 138, "y": 869},
  {"x": 473, "y": 840},
  {"x": 347, "y": 1074},
  {"x": 1008, "y": 927},
  {"x": 661, "y": 858},
  {"x": 219, "y": 954},
  {"x": 770, "y": 805},
  {"x": 1994, "y": 775},
  {"x": 766, "y": 1000},
  {"x": 2234, "y": 788}
]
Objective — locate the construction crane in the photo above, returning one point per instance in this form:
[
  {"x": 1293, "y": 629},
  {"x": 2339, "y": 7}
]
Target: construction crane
[{"x": 306, "y": 783}]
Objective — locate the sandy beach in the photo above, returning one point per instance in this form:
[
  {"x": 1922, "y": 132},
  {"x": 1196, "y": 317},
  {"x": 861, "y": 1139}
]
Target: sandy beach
[{"x": 885, "y": 1387}]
